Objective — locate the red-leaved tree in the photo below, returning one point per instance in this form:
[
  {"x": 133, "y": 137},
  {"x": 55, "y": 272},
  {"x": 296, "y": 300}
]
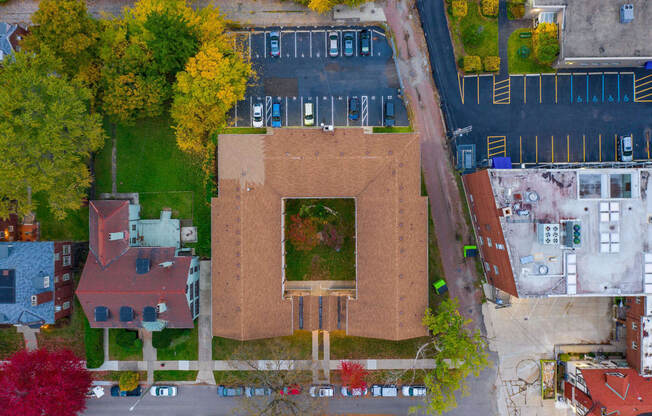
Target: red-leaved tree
[
  {"x": 353, "y": 375},
  {"x": 41, "y": 382}
]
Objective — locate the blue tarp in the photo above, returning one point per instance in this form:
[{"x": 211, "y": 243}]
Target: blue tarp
[{"x": 501, "y": 162}]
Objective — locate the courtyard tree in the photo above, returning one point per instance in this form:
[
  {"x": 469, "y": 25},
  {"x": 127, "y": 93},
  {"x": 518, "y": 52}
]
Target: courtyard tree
[
  {"x": 65, "y": 28},
  {"x": 279, "y": 371},
  {"x": 546, "y": 43},
  {"x": 457, "y": 351},
  {"x": 302, "y": 233},
  {"x": 353, "y": 375},
  {"x": 41, "y": 382},
  {"x": 128, "y": 380},
  {"x": 46, "y": 135}
]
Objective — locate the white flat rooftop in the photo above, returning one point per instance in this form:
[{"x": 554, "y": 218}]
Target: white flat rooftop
[{"x": 576, "y": 232}]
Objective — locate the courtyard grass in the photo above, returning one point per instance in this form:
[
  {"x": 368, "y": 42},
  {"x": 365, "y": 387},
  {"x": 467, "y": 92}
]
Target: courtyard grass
[
  {"x": 518, "y": 65},
  {"x": 10, "y": 342},
  {"x": 357, "y": 348},
  {"x": 175, "y": 375},
  {"x": 435, "y": 267},
  {"x": 184, "y": 345},
  {"x": 300, "y": 341},
  {"x": 150, "y": 163},
  {"x": 65, "y": 333},
  {"x": 73, "y": 227},
  {"x": 395, "y": 129},
  {"x": 118, "y": 352},
  {"x": 488, "y": 45},
  {"x": 115, "y": 375},
  {"x": 322, "y": 262}
]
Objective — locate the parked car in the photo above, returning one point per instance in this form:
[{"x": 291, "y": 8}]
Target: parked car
[
  {"x": 292, "y": 390},
  {"x": 413, "y": 391},
  {"x": 276, "y": 115},
  {"x": 163, "y": 391},
  {"x": 116, "y": 392},
  {"x": 365, "y": 43},
  {"x": 384, "y": 390},
  {"x": 389, "y": 114},
  {"x": 252, "y": 391},
  {"x": 322, "y": 390},
  {"x": 308, "y": 114},
  {"x": 354, "y": 108},
  {"x": 333, "y": 44},
  {"x": 349, "y": 392},
  {"x": 258, "y": 115},
  {"x": 275, "y": 44},
  {"x": 348, "y": 41},
  {"x": 626, "y": 149},
  {"x": 226, "y": 391}
]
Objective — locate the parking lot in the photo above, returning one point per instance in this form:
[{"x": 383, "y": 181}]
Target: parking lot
[
  {"x": 304, "y": 72},
  {"x": 560, "y": 88}
]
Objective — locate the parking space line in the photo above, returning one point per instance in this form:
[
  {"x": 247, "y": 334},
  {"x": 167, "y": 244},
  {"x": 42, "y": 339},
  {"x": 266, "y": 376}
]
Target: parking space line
[
  {"x": 602, "y": 87},
  {"x": 311, "y": 43},
  {"x": 520, "y": 149},
  {"x": 477, "y": 78},
  {"x": 287, "y": 112},
  {"x": 647, "y": 145},
  {"x": 301, "y": 110},
  {"x": 250, "y": 46},
  {"x": 642, "y": 82},
  {"x": 600, "y": 147},
  {"x": 356, "y": 44},
  {"x": 347, "y": 111},
  {"x": 552, "y": 149},
  {"x": 571, "y": 89},
  {"x": 568, "y": 148},
  {"x": 268, "y": 110},
  {"x": 317, "y": 109},
  {"x": 583, "y": 148},
  {"x": 496, "y": 146},
  {"x": 333, "y": 112},
  {"x": 539, "y": 88},
  {"x": 524, "y": 90},
  {"x": 616, "y": 147},
  {"x": 235, "y": 114},
  {"x": 265, "y": 44},
  {"x": 371, "y": 43},
  {"x": 295, "y": 44},
  {"x": 587, "y": 88},
  {"x": 501, "y": 91},
  {"x": 325, "y": 45},
  {"x": 460, "y": 86},
  {"x": 555, "y": 88},
  {"x": 536, "y": 149},
  {"x": 251, "y": 111}
]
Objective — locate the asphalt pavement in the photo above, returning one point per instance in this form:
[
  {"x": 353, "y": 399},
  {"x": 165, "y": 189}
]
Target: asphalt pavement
[{"x": 574, "y": 116}]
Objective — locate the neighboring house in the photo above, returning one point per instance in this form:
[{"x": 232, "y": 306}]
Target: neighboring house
[
  {"x": 598, "y": 33},
  {"x": 564, "y": 232},
  {"x": 36, "y": 282},
  {"x": 606, "y": 388},
  {"x": 9, "y": 228},
  {"x": 135, "y": 275},
  {"x": 638, "y": 325},
  {"x": 257, "y": 173},
  {"x": 10, "y": 37}
]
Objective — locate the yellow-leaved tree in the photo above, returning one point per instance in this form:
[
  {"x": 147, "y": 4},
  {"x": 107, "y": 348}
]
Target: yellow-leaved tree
[{"x": 212, "y": 83}]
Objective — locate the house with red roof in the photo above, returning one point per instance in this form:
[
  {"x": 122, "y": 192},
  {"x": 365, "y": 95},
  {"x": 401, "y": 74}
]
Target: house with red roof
[
  {"x": 137, "y": 275},
  {"x": 602, "y": 389}
]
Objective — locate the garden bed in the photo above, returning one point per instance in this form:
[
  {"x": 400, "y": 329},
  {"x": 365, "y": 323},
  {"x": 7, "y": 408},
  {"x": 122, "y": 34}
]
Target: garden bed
[
  {"x": 519, "y": 65},
  {"x": 183, "y": 344},
  {"x": 320, "y": 239},
  {"x": 473, "y": 34},
  {"x": 115, "y": 375}
]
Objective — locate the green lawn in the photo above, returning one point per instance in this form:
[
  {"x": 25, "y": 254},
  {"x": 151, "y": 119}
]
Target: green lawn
[
  {"x": 242, "y": 130},
  {"x": 184, "y": 345},
  {"x": 488, "y": 46},
  {"x": 435, "y": 268},
  {"x": 323, "y": 262},
  {"x": 518, "y": 65},
  {"x": 149, "y": 162},
  {"x": 231, "y": 378},
  {"x": 175, "y": 375},
  {"x": 102, "y": 163},
  {"x": 10, "y": 342},
  {"x": 301, "y": 341},
  {"x": 396, "y": 129},
  {"x": 117, "y": 352},
  {"x": 356, "y": 348},
  {"x": 74, "y": 227},
  {"x": 65, "y": 333}
]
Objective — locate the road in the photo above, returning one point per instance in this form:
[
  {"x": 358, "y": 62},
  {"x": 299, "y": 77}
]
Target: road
[{"x": 574, "y": 116}]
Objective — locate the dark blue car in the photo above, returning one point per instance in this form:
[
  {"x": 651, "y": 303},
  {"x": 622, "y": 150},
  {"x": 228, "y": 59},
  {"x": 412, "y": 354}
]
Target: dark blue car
[
  {"x": 116, "y": 392},
  {"x": 354, "y": 108}
]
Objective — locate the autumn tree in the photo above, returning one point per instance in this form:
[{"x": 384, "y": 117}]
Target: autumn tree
[
  {"x": 457, "y": 351},
  {"x": 66, "y": 28},
  {"x": 280, "y": 370},
  {"x": 46, "y": 135},
  {"x": 128, "y": 380},
  {"x": 172, "y": 41},
  {"x": 41, "y": 382},
  {"x": 353, "y": 375}
]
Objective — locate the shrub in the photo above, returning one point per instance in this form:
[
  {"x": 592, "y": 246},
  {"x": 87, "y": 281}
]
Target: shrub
[
  {"x": 302, "y": 233},
  {"x": 517, "y": 10},
  {"x": 492, "y": 63},
  {"x": 460, "y": 7},
  {"x": 472, "y": 35},
  {"x": 128, "y": 380},
  {"x": 472, "y": 63},
  {"x": 162, "y": 339},
  {"x": 545, "y": 42},
  {"x": 93, "y": 342},
  {"x": 126, "y": 338},
  {"x": 490, "y": 7}
]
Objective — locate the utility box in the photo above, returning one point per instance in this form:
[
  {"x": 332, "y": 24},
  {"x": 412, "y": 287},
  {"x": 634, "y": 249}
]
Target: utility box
[{"x": 626, "y": 13}]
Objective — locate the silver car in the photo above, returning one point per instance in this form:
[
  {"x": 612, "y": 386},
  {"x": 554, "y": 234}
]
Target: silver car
[
  {"x": 413, "y": 391},
  {"x": 163, "y": 391},
  {"x": 322, "y": 390},
  {"x": 626, "y": 149},
  {"x": 258, "y": 115},
  {"x": 333, "y": 44}
]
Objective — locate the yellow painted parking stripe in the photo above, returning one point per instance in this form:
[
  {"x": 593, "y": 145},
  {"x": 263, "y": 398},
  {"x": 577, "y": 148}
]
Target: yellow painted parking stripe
[
  {"x": 644, "y": 77},
  {"x": 496, "y": 145},
  {"x": 583, "y": 148},
  {"x": 460, "y": 83},
  {"x": 567, "y": 148}
]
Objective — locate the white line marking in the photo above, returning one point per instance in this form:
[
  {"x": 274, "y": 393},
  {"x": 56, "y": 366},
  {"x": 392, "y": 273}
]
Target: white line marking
[
  {"x": 251, "y": 111},
  {"x": 382, "y": 110},
  {"x": 265, "y": 45},
  {"x": 325, "y": 45},
  {"x": 287, "y": 111},
  {"x": 332, "y": 111},
  {"x": 295, "y": 44},
  {"x": 236, "y": 114},
  {"x": 311, "y": 43},
  {"x": 317, "y": 108},
  {"x": 347, "y": 111},
  {"x": 250, "y": 46},
  {"x": 301, "y": 111}
]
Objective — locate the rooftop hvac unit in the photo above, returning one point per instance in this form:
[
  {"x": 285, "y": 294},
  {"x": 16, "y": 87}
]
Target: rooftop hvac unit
[
  {"x": 549, "y": 234},
  {"x": 626, "y": 13}
]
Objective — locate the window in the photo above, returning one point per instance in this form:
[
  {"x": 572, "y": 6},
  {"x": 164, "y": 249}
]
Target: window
[
  {"x": 66, "y": 305},
  {"x": 488, "y": 241},
  {"x": 133, "y": 227},
  {"x": 471, "y": 197},
  {"x": 486, "y": 266},
  {"x": 500, "y": 246},
  {"x": 133, "y": 240},
  {"x": 56, "y": 256},
  {"x": 634, "y": 346},
  {"x": 196, "y": 269},
  {"x": 46, "y": 282},
  {"x": 496, "y": 269},
  {"x": 186, "y": 289},
  {"x": 57, "y": 308},
  {"x": 197, "y": 289},
  {"x": 11, "y": 228},
  {"x": 66, "y": 277},
  {"x": 638, "y": 300},
  {"x": 634, "y": 325},
  {"x": 56, "y": 279},
  {"x": 480, "y": 240},
  {"x": 197, "y": 307},
  {"x": 66, "y": 261},
  {"x": 66, "y": 249}
]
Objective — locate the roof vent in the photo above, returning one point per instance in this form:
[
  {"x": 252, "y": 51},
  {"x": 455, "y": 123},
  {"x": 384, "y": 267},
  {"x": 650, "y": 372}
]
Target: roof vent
[
  {"x": 126, "y": 314},
  {"x": 149, "y": 314},
  {"x": 161, "y": 307},
  {"x": 626, "y": 13},
  {"x": 166, "y": 264},
  {"x": 507, "y": 212},
  {"x": 116, "y": 236},
  {"x": 34, "y": 300},
  {"x": 142, "y": 266},
  {"x": 101, "y": 314}
]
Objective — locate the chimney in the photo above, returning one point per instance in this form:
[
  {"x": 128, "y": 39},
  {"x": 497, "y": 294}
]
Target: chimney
[{"x": 42, "y": 298}]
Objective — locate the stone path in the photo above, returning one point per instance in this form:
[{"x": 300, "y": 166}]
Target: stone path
[
  {"x": 205, "y": 352},
  {"x": 149, "y": 353},
  {"x": 106, "y": 344},
  {"x": 29, "y": 334}
]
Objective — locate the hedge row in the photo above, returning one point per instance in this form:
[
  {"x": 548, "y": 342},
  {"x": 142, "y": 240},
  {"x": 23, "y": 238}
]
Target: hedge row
[
  {"x": 460, "y": 8},
  {"x": 472, "y": 63},
  {"x": 490, "y": 8}
]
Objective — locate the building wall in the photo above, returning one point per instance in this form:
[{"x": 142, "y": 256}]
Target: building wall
[
  {"x": 486, "y": 222},
  {"x": 635, "y": 310},
  {"x": 192, "y": 287},
  {"x": 63, "y": 278}
]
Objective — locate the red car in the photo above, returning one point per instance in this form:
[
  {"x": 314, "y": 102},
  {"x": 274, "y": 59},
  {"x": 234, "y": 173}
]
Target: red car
[{"x": 292, "y": 390}]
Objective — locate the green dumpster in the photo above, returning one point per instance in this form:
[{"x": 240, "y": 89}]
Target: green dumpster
[{"x": 440, "y": 286}]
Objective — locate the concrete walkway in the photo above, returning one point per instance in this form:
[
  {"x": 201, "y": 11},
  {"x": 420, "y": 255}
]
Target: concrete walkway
[
  {"x": 505, "y": 28},
  {"x": 29, "y": 334},
  {"x": 149, "y": 353},
  {"x": 106, "y": 344},
  {"x": 205, "y": 352}
]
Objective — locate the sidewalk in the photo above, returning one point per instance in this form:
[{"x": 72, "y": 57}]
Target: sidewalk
[{"x": 205, "y": 352}]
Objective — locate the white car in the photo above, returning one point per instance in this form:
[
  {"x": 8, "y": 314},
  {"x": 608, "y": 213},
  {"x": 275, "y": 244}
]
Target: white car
[
  {"x": 163, "y": 391},
  {"x": 258, "y": 115},
  {"x": 323, "y": 390},
  {"x": 626, "y": 149},
  {"x": 333, "y": 44},
  {"x": 349, "y": 392},
  {"x": 384, "y": 390},
  {"x": 413, "y": 391}
]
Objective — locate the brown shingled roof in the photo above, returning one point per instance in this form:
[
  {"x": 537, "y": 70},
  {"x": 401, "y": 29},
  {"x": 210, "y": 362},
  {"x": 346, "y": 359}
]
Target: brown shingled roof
[{"x": 383, "y": 173}]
